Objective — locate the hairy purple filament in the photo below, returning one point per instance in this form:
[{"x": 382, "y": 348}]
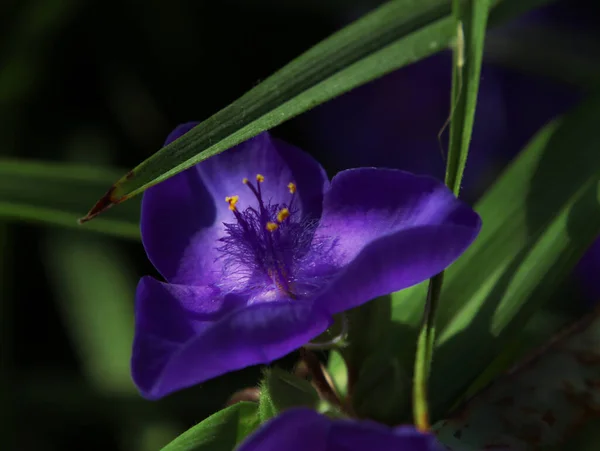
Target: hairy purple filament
[{"x": 264, "y": 249}]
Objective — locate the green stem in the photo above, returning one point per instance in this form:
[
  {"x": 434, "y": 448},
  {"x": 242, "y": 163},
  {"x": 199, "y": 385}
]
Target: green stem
[
  {"x": 424, "y": 354},
  {"x": 471, "y": 20}
]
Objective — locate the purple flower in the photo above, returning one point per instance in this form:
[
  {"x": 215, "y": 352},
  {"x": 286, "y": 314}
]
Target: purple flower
[
  {"x": 259, "y": 250},
  {"x": 306, "y": 430}
]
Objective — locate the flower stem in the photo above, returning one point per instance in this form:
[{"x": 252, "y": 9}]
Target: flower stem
[
  {"x": 319, "y": 379},
  {"x": 471, "y": 19},
  {"x": 425, "y": 354}
]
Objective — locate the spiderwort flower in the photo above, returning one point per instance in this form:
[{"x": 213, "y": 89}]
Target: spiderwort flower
[
  {"x": 259, "y": 250},
  {"x": 305, "y": 429}
]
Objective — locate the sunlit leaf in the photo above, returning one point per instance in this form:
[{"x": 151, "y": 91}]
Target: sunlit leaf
[{"x": 219, "y": 432}]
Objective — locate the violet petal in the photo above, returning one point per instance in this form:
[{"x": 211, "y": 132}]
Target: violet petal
[
  {"x": 187, "y": 335},
  {"x": 394, "y": 229},
  {"x": 304, "y": 429}
]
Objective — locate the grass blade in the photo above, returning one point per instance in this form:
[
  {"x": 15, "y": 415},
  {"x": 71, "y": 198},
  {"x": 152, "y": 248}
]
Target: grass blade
[{"x": 55, "y": 193}]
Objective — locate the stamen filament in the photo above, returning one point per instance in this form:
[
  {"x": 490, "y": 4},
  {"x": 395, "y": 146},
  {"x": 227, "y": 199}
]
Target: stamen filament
[{"x": 292, "y": 188}]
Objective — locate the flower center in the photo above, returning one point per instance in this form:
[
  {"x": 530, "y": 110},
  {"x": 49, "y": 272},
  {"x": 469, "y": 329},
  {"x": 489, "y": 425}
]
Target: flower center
[{"x": 263, "y": 247}]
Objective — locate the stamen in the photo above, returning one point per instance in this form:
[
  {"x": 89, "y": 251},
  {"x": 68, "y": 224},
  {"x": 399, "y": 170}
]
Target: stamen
[
  {"x": 292, "y": 187},
  {"x": 256, "y": 191},
  {"x": 283, "y": 215},
  {"x": 232, "y": 201},
  {"x": 266, "y": 243}
]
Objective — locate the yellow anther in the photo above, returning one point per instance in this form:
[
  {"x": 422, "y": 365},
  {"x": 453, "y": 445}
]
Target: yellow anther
[
  {"x": 232, "y": 201},
  {"x": 271, "y": 226},
  {"x": 283, "y": 215},
  {"x": 260, "y": 178},
  {"x": 292, "y": 187},
  {"x": 245, "y": 181}
]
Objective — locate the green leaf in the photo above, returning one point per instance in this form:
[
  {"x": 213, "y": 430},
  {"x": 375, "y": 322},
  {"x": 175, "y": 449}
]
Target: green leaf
[
  {"x": 219, "y": 432},
  {"x": 280, "y": 390},
  {"x": 538, "y": 404},
  {"x": 396, "y": 34},
  {"x": 537, "y": 221},
  {"x": 471, "y": 21},
  {"x": 55, "y": 194}
]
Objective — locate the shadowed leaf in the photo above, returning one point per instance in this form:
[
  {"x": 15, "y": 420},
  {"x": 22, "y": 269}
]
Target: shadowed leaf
[{"x": 539, "y": 403}]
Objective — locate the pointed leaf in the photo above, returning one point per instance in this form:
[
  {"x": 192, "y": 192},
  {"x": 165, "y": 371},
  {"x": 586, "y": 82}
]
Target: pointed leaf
[
  {"x": 219, "y": 432},
  {"x": 55, "y": 194}
]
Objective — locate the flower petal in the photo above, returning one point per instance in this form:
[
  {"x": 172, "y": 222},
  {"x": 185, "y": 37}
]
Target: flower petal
[
  {"x": 179, "y": 131},
  {"x": 176, "y": 214},
  {"x": 305, "y": 429},
  {"x": 293, "y": 430},
  {"x": 182, "y": 217},
  {"x": 279, "y": 162},
  {"x": 393, "y": 229},
  {"x": 186, "y": 335}
]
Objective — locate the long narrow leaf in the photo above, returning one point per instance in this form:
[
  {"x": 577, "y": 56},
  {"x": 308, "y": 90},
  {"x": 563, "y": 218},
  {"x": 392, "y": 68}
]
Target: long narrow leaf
[
  {"x": 55, "y": 194},
  {"x": 219, "y": 432}
]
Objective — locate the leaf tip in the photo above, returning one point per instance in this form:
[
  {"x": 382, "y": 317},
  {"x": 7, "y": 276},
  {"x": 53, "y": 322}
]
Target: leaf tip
[
  {"x": 108, "y": 200},
  {"x": 105, "y": 202}
]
